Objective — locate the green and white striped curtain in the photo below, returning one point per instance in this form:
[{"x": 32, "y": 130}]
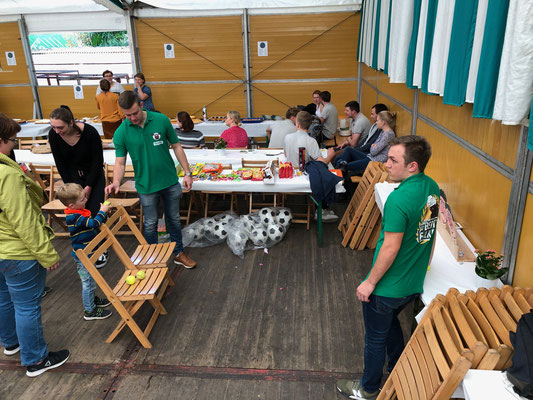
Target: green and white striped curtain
[{"x": 476, "y": 51}]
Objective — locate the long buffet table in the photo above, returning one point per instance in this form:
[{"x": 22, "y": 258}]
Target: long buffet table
[{"x": 209, "y": 129}]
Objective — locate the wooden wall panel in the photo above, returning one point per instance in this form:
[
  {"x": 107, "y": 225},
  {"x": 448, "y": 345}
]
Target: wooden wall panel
[
  {"x": 169, "y": 99},
  {"x": 293, "y": 94},
  {"x": 523, "y": 275},
  {"x": 53, "y": 96},
  {"x": 403, "y": 118},
  {"x": 16, "y": 102},
  {"x": 10, "y": 41},
  {"x": 500, "y": 141},
  {"x": 218, "y": 39},
  {"x": 397, "y": 90},
  {"x": 478, "y": 195},
  {"x": 369, "y": 74},
  {"x": 369, "y": 97},
  {"x": 315, "y": 52}
]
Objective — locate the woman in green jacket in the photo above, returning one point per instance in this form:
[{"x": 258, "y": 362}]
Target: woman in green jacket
[{"x": 26, "y": 252}]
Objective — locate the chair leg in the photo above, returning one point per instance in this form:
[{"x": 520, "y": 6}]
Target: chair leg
[
  {"x": 127, "y": 319},
  {"x": 206, "y": 204}
]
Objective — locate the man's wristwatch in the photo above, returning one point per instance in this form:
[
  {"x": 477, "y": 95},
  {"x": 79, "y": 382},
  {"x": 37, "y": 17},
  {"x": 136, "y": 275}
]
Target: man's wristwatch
[{"x": 188, "y": 174}]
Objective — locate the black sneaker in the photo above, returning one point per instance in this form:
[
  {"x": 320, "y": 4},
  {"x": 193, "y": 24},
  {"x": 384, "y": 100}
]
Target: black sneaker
[
  {"x": 102, "y": 260},
  {"x": 47, "y": 289},
  {"x": 10, "y": 350},
  {"x": 101, "y": 302},
  {"x": 53, "y": 360},
  {"x": 97, "y": 313}
]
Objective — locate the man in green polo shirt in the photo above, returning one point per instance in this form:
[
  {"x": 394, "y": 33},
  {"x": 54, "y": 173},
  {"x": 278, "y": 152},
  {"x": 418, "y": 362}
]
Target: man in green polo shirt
[
  {"x": 402, "y": 256},
  {"x": 145, "y": 135}
]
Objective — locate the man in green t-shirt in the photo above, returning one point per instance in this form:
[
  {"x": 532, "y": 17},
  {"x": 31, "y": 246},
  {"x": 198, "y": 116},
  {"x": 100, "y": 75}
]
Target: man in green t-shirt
[
  {"x": 145, "y": 135},
  {"x": 402, "y": 256}
]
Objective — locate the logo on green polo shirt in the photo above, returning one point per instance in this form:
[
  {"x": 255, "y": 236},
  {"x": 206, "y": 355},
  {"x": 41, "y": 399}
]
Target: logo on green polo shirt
[
  {"x": 428, "y": 222},
  {"x": 156, "y": 137}
]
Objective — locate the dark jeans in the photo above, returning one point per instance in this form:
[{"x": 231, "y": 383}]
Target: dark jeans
[
  {"x": 383, "y": 336},
  {"x": 356, "y": 160}
]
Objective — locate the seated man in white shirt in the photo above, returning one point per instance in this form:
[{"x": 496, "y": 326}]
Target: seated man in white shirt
[
  {"x": 329, "y": 117},
  {"x": 279, "y": 129},
  {"x": 359, "y": 127},
  {"x": 300, "y": 138}
]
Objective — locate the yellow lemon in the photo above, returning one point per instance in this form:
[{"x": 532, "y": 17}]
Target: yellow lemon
[
  {"x": 141, "y": 275},
  {"x": 130, "y": 280}
]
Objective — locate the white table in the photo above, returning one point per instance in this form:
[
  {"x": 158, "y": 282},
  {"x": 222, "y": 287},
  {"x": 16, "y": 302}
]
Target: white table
[
  {"x": 209, "y": 129},
  {"x": 445, "y": 271},
  {"x": 482, "y": 385}
]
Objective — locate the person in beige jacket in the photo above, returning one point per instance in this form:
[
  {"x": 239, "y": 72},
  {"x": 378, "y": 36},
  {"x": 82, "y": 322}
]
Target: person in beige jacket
[{"x": 26, "y": 253}]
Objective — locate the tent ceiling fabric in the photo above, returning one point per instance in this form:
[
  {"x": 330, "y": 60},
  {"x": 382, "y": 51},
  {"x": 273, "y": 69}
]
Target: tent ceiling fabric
[
  {"x": 240, "y": 4},
  {"x": 8, "y": 7}
]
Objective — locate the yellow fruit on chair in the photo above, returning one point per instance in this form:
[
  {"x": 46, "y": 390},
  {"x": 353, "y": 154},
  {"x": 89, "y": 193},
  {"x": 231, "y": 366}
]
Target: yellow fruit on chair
[
  {"x": 141, "y": 275},
  {"x": 130, "y": 280}
]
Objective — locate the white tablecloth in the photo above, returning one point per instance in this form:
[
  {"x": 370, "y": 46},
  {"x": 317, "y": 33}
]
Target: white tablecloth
[
  {"x": 209, "y": 129},
  {"x": 298, "y": 184},
  {"x": 445, "y": 271}
]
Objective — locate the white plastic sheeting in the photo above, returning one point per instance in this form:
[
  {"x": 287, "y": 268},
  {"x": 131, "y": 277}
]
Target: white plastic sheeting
[
  {"x": 239, "y": 4},
  {"x": 53, "y": 7},
  {"x": 515, "y": 81}
]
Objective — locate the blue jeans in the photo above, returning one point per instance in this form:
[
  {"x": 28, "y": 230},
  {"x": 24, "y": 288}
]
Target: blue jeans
[
  {"x": 383, "y": 336},
  {"x": 356, "y": 160},
  {"x": 171, "y": 207},
  {"x": 21, "y": 288},
  {"x": 88, "y": 285}
]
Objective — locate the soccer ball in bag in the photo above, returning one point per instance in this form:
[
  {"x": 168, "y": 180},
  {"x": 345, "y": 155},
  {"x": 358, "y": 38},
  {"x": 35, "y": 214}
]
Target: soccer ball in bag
[
  {"x": 266, "y": 215},
  {"x": 275, "y": 232},
  {"x": 226, "y": 218},
  {"x": 284, "y": 218},
  {"x": 197, "y": 232},
  {"x": 259, "y": 237},
  {"x": 220, "y": 230},
  {"x": 248, "y": 223}
]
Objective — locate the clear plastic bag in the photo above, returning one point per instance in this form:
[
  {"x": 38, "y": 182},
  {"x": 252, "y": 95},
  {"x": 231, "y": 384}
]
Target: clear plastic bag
[{"x": 208, "y": 231}]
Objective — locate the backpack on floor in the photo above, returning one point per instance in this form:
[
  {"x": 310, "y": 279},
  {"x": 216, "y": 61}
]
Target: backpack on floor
[{"x": 520, "y": 374}]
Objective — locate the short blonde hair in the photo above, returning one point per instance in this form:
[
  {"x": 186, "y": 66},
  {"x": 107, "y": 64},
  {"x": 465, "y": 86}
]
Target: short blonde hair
[
  {"x": 69, "y": 193},
  {"x": 235, "y": 116},
  {"x": 388, "y": 117}
]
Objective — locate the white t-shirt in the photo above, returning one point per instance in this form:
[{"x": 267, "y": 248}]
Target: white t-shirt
[
  {"x": 331, "y": 117},
  {"x": 279, "y": 130},
  {"x": 361, "y": 125},
  {"x": 294, "y": 141},
  {"x": 116, "y": 88}
]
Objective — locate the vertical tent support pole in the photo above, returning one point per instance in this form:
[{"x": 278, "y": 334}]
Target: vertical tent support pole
[
  {"x": 37, "y": 109},
  {"x": 415, "y": 112},
  {"x": 247, "y": 67},
  {"x": 517, "y": 201},
  {"x": 359, "y": 83},
  {"x": 132, "y": 39}
]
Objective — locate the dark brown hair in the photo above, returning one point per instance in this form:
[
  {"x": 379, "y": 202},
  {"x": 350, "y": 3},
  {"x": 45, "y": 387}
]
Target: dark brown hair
[
  {"x": 64, "y": 114},
  {"x": 417, "y": 148},
  {"x": 291, "y": 112},
  {"x": 8, "y": 127},
  {"x": 186, "y": 122},
  {"x": 105, "y": 85},
  {"x": 140, "y": 75},
  {"x": 326, "y": 96},
  {"x": 127, "y": 99},
  {"x": 304, "y": 119}
]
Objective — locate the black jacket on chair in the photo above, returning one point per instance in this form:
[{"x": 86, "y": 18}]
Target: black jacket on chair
[{"x": 323, "y": 182}]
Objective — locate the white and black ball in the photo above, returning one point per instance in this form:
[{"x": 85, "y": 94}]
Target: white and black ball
[
  {"x": 284, "y": 218},
  {"x": 226, "y": 218},
  {"x": 248, "y": 223},
  {"x": 196, "y": 232},
  {"x": 209, "y": 223},
  {"x": 275, "y": 232},
  {"x": 267, "y": 216},
  {"x": 238, "y": 239},
  {"x": 259, "y": 236},
  {"x": 220, "y": 230}
]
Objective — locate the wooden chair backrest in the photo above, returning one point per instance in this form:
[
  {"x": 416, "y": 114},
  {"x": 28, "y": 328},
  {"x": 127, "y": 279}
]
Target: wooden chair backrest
[
  {"x": 46, "y": 176},
  {"x": 129, "y": 173},
  {"x": 25, "y": 144},
  {"x": 118, "y": 220},
  {"x": 256, "y": 163}
]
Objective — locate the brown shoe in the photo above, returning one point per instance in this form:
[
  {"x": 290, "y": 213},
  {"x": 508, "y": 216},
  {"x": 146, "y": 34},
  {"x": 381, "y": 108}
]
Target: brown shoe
[{"x": 185, "y": 260}]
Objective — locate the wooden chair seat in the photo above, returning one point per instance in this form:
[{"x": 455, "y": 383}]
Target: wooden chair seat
[
  {"x": 141, "y": 289},
  {"x": 152, "y": 255}
]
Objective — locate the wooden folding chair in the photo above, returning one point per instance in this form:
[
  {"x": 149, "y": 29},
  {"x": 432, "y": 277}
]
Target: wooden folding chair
[
  {"x": 257, "y": 206},
  {"x": 127, "y": 299},
  {"x": 430, "y": 367},
  {"x": 47, "y": 176},
  {"x": 26, "y": 144},
  {"x": 126, "y": 190}
]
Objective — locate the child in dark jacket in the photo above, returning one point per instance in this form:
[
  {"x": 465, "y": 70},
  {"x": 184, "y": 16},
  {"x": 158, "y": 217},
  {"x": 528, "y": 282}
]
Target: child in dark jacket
[{"x": 83, "y": 229}]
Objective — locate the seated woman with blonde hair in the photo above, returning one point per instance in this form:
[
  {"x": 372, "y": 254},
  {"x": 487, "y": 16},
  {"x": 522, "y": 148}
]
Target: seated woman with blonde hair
[
  {"x": 235, "y": 136},
  {"x": 352, "y": 160},
  {"x": 188, "y": 136}
]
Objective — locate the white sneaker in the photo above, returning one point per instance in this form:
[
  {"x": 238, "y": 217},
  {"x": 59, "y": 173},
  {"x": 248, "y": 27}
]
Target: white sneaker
[
  {"x": 327, "y": 216},
  {"x": 102, "y": 260}
]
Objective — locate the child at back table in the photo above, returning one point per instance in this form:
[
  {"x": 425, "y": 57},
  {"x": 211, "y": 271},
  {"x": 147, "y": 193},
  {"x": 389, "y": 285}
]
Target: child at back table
[
  {"x": 83, "y": 229},
  {"x": 235, "y": 136}
]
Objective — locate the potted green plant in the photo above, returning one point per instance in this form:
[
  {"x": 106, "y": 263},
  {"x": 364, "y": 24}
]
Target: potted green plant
[
  {"x": 489, "y": 265},
  {"x": 220, "y": 146}
]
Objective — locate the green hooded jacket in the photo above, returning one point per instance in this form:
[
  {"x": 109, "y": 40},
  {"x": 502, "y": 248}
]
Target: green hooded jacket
[{"x": 24, "y": 233}]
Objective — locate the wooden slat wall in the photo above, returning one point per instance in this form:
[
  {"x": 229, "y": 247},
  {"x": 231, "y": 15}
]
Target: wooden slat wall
[
  {"x": 293, "y": 94},
  {"x": 500, "y": 141},
  {"x": 479, "y": 195},
  {"x": 397, "y": 90},
  {"x": 403, "y": 118},
  {"x": 53, "y": 96},
  {"x": 524, "y": 265},
  {"x": 16, "y": 102}
]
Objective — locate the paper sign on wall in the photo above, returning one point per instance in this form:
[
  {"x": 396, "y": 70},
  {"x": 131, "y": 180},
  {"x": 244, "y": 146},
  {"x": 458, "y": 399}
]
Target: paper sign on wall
[
  {"x": 262, "y": 49},
  {"x": 10, "y": 57},
  {"x": 78, "y": 92},
  {"x": 169, "y": 50}
]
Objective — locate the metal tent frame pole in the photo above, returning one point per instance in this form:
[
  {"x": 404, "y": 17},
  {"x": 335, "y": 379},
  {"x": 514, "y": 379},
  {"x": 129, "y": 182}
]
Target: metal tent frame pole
[
  {"x": 132, "y": 39},
  {"x": 37, "y": 108},
  {"x": 247, "y": 66}
]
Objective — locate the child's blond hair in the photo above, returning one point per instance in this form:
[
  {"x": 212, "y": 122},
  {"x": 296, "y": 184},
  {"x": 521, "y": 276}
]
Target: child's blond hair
[
  {"x": 69, "y": 193},
  {"x": 235, "y": 116}
]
